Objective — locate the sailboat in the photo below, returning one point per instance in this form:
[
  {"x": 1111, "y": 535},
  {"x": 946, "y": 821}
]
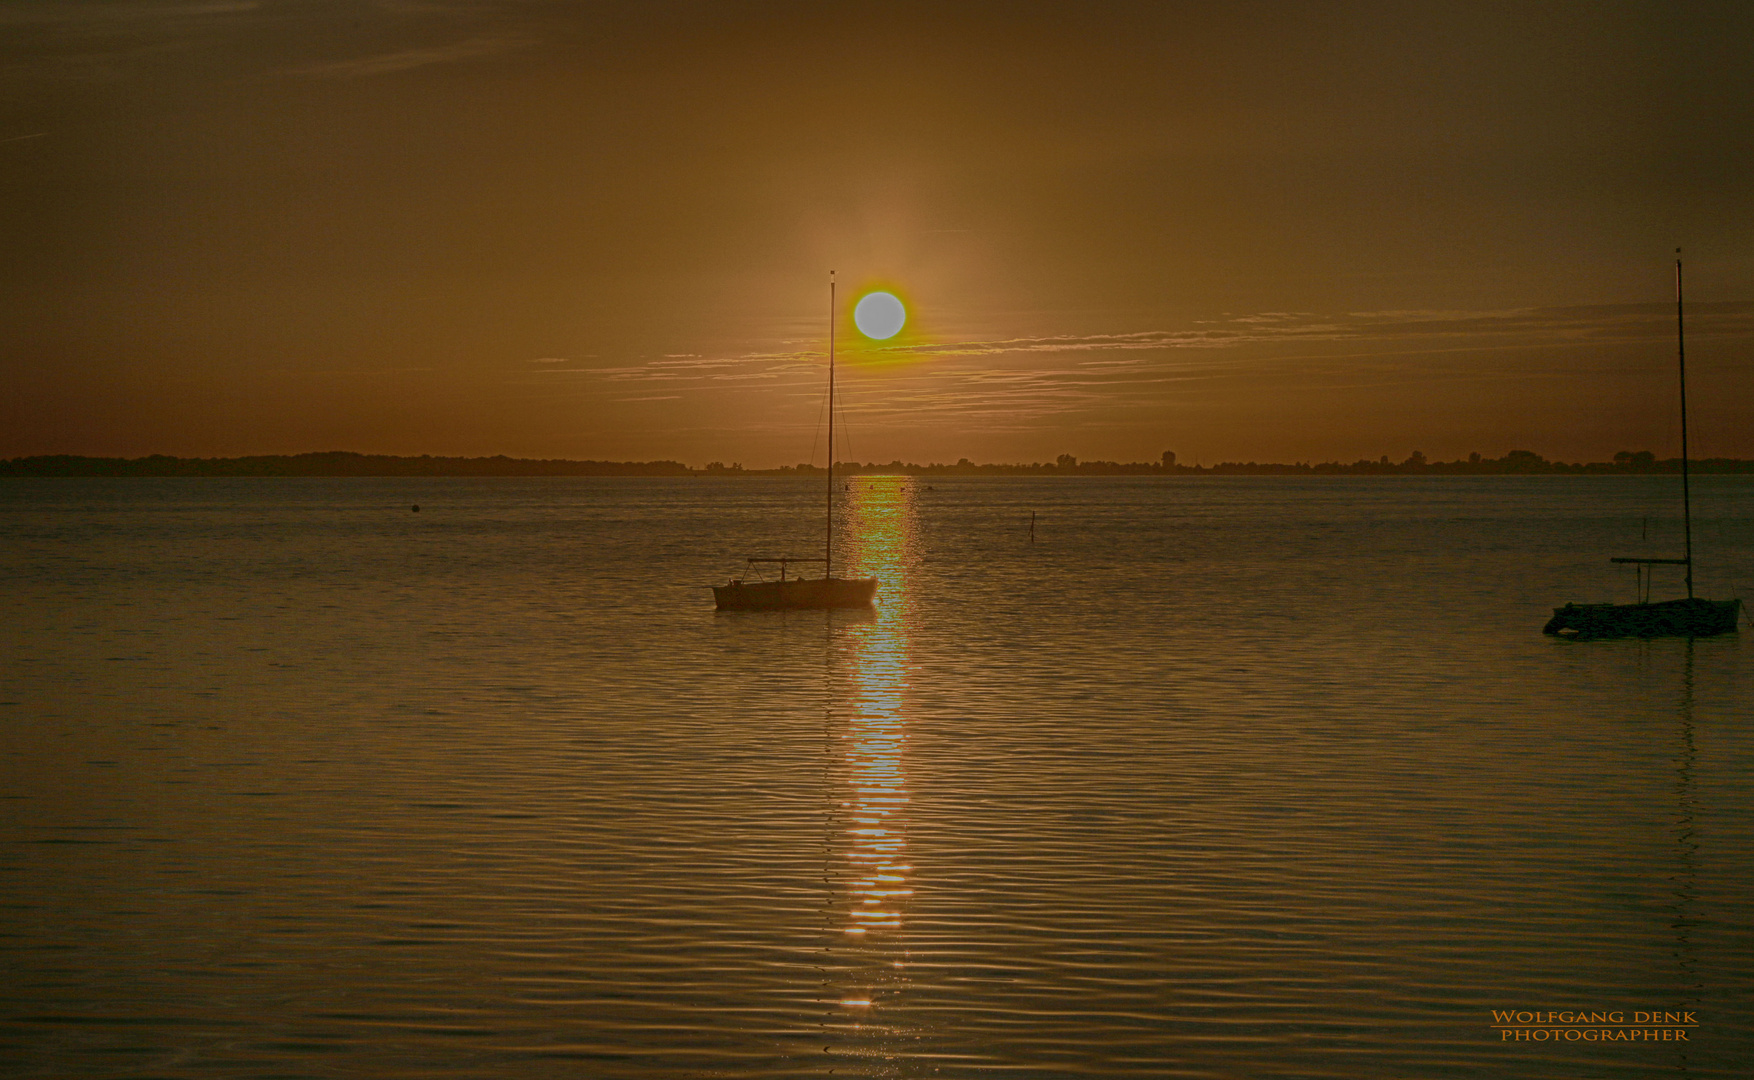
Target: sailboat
[
  {"x": 794, "y": 593},
  {"x": 1690, "y": 617}
]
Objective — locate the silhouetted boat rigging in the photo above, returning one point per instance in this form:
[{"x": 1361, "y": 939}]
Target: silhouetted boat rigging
[
  {"x": 795, "y": 593},
  {"x": 1691, "y": 617}
]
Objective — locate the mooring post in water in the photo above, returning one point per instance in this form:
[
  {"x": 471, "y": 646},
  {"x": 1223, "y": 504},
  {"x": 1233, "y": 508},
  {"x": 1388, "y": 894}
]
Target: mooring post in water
[{"x": 1032, "y": 526}]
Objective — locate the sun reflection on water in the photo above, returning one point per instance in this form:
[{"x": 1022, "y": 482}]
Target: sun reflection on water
[{"x": 868, "y": 714}]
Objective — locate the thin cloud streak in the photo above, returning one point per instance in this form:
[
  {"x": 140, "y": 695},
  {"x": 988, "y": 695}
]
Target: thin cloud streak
[
  {"x": 1626, "y": 323},
  {"x": 1534, "y": 328},
  {"x": 409, "y": 59},
  {"x": 1013, "y": 385},
  {"x": 58, "y": 13}
]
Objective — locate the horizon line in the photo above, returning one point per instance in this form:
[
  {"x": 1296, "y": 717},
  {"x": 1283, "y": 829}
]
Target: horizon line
[{"x": 340, "y": 463}]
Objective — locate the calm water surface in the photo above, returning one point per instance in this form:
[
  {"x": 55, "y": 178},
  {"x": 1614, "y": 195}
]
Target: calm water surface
[{"x": 1217, "y": 778}]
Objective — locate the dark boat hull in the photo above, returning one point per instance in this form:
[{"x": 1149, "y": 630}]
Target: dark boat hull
[
  {"x": 1671, "y": 618},
  {"x": 796, "y": 594}
]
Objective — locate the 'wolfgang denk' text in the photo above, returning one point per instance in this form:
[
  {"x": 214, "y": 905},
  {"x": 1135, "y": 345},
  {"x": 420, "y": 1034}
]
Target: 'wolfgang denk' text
[{"x": 1612, "y": 1025}]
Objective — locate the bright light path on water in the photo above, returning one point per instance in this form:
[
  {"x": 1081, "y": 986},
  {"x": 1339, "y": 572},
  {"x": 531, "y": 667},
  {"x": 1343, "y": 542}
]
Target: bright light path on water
[{"x": 879, "y": 315}]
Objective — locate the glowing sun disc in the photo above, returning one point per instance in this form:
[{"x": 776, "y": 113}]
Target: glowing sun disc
[{"x": 879, "y": 315}]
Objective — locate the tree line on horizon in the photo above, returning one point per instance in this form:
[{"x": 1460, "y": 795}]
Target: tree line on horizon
[{"x": 346, "y": 463}]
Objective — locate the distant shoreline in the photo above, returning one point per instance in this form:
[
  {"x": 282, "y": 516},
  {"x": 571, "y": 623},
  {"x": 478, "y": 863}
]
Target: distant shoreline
[{"x": 344, "y": 463}]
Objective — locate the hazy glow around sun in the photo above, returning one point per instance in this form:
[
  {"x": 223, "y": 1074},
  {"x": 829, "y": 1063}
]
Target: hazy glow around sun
[{"x": 879, "y": 315}]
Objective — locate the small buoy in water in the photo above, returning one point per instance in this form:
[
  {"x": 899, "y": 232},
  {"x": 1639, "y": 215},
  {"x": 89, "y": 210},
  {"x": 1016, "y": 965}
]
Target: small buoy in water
[{"x": 417, "y": 508}]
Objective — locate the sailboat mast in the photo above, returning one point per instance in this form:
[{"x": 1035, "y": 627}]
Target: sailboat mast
[
  {"x": 828, "y": 546},
  {"x": 1686, "y": 496}
]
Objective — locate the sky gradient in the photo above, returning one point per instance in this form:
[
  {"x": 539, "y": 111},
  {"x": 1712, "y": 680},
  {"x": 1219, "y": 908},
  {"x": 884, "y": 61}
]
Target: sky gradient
[{"x": 1243, "y": 231}]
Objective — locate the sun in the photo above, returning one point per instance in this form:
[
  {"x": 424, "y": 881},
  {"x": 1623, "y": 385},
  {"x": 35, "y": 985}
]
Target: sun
[{"x": 879, "y": 315}]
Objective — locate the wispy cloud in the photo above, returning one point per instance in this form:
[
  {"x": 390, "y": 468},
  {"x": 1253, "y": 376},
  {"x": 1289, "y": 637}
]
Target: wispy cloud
[
  {"x": 1006, "y": 384},
  {"x": 106, "y": 42},
  {"x": 475, "y": 48},
  {"x": 1536, "y": 325},
  {"x": 60, "y": 13}
]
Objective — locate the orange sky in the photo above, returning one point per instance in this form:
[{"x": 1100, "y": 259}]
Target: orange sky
[{"x": 1239, "y": 231}]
